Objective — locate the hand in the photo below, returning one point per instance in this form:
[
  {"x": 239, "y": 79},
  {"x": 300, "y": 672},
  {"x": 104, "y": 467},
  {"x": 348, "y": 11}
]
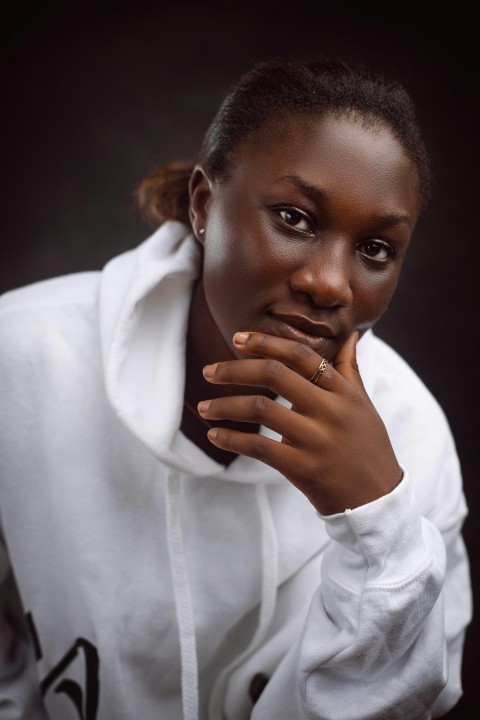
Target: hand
[{"x": 335, "y": 447}]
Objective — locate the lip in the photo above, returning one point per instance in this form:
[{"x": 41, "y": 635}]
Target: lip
[
  {"x": 305, "y": 324},
  {"x": 317, "y": 335}
]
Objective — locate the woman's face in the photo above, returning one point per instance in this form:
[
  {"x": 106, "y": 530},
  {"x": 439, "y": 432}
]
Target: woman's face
[{"x": 306, "y": 236}]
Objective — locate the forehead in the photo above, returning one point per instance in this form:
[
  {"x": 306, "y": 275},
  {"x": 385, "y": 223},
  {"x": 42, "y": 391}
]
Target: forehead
[{"x": 340, "y": 155}]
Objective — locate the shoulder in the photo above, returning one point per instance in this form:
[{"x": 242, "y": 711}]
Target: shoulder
[
  {"x": 34, "y": 317},
  {"x": 399, "y": 391},
  {"x": 55, "y": 292},
  {"x": 420, "y": 434}
]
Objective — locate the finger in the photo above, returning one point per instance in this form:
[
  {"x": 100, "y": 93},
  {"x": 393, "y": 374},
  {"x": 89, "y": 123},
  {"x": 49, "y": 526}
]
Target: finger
[
  {"x": 258, "y": 409},
  {"x": 345, "y": 362},
  {"x": 283, "y": 458},
  {"x": 298, "y": 356},
  {"x": 271, "y": 374}
]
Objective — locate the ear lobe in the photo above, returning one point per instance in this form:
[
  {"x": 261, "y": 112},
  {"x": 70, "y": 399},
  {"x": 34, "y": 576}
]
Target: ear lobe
[{"x": 200, "y": 191}]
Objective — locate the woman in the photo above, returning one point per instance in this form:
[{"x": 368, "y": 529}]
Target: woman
[{"x": 211, "y": 509}]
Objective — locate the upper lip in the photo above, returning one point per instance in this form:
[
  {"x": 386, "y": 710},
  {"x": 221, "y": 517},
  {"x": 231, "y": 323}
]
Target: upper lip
[{"x": 306, "y": 324}]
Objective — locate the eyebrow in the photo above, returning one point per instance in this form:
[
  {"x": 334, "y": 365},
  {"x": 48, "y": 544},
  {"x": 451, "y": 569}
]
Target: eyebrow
[
  {"x": 314, "y": 192},
  {"x": 394, "y": 219}
]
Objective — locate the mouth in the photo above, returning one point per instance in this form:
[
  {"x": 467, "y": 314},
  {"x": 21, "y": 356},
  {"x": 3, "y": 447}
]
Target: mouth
[{"x": 317, "y": 335}]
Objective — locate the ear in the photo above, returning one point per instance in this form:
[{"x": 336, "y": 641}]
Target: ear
[{"x": 200, "y": 191}]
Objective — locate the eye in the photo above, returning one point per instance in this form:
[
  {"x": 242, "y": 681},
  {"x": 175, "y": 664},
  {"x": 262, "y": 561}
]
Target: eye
[
  {"x": 295, "y": 219},
  {"x": 376, "y": 250}
]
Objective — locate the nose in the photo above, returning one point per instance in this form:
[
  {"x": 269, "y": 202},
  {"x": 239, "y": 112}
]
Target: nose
[{"x": 325, "y": 275}]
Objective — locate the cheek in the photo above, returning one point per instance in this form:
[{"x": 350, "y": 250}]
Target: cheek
[
  {"x": 217, "y": 249},
  {"x": 224, "y": 248},
  {"x": 226, "y": 270},
  {"x": 374, "y": 296},
  {"x": 237, "y": 255},
  {"x": 227, "y": 278}
]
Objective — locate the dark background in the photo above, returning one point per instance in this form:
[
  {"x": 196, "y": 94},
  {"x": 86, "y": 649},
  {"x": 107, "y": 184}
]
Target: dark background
[{"x": 95, "y": 94}]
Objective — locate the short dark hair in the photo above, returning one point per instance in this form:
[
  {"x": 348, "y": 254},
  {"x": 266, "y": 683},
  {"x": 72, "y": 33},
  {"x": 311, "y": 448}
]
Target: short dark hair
[{"x": 276, "y": 90}]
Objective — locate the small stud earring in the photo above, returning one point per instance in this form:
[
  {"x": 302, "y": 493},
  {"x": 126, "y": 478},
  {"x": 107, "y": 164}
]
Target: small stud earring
[{"x": 201, "y": 231}]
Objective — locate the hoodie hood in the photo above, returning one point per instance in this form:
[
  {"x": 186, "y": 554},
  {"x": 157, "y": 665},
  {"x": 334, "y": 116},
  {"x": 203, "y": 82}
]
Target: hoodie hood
[{"x": 144, "y": 305}]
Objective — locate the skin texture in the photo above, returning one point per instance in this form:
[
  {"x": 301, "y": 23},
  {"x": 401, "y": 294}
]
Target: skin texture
[{"x": 304, "y": 243}]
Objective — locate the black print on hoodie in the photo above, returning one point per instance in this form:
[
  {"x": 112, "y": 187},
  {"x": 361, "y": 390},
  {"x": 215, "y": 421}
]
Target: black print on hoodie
[{"x": 84, "y": 699}]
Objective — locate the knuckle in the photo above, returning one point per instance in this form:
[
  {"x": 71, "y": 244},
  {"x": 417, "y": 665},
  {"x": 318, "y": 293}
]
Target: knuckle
[
  {"x": 303, "y": 352},
  {"x": 225, "y": 370},
  {"x": 274, "y": 368},
  {"x": 356, "y": 399},
  {"x": 313, "y": 469},
  {"x": 260, "y": 406},
  {"x": 229, "y": 365},
  {"x": 261, "y": 340},
  {"x": 259, "y": 447}
]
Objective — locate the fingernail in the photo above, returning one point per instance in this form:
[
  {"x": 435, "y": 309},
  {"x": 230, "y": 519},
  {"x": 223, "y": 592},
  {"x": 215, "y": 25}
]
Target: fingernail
[
  {"x": 240, "y": 338},
  {"x": 203, "y": 406},
  {"x": 209, "y": 371},
  {"x": 212, "y": 434}
]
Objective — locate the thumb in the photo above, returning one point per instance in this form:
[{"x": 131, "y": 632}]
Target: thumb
[{"x": 345, "y": 361}]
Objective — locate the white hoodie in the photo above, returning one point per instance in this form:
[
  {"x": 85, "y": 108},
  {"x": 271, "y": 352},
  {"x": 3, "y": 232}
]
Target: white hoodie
[{"x": 159, "y": 585}]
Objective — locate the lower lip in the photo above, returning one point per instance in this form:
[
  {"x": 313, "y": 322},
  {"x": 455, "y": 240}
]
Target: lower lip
[{"x": 318, "y": 343}]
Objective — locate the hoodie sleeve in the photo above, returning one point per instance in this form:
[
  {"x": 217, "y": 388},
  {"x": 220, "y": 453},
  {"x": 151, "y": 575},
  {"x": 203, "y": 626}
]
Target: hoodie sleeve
[
  {"x": 19, "y": 686},
  {"x": 384, "y": 633}
]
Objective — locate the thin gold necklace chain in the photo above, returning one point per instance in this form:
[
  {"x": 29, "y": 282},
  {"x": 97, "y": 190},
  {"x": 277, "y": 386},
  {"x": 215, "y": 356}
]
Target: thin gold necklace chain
[{"x": 199, "y": 417}]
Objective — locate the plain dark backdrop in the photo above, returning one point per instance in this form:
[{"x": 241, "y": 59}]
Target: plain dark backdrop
[{"x": 95, "y": 94}]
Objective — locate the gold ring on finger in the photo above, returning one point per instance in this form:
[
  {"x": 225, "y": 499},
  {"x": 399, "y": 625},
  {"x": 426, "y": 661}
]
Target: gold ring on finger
[{"x": 319, "y": 371}]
